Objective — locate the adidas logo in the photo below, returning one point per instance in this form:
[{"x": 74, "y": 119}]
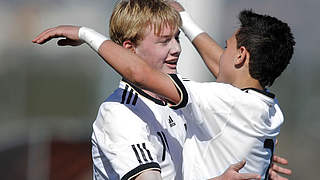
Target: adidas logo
[{"x": 171, "y": 122}]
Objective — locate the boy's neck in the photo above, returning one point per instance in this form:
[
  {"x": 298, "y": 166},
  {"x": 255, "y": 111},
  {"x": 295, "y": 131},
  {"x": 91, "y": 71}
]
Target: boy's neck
[
  {"x": 154, "y": 95},
  {"x": 242, "y": 79},
  {"x": 248, "y": 83}
]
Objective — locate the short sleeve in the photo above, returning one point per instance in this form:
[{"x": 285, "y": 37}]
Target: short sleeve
[
  {"x": 182, "y": 92},
  {"x": 121, "y": 144}
]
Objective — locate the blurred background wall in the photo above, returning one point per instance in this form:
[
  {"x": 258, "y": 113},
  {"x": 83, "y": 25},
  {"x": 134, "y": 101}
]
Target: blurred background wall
[{"x": 49, "y": 95}]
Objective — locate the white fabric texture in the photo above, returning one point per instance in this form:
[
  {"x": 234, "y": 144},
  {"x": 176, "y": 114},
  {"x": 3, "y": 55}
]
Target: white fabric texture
[
  {"x": 91, "y": 37},
  {"x": 132, "y": 133},
  {"x": 229, "y": 125}
]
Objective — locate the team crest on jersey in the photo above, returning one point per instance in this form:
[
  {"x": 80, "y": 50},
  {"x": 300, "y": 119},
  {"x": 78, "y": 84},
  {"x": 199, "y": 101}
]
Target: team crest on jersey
[{"x": 171, "y": 122}]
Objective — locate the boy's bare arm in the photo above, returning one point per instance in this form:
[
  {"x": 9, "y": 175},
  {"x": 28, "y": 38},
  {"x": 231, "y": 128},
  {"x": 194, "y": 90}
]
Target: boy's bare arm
[
  {"x": 210, "y": 52},
  {"x": 126, "y": 63},
  {"x": 208, "y": 48},
  {"x": 134, "y": 69}
]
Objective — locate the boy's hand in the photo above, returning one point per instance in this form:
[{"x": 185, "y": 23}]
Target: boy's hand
[
  {"x": 70, "y": 33},
  {"x": 275, "y": 169},
  {"x": 177, "y": 6},
  {"x": 232, "y": 173}
]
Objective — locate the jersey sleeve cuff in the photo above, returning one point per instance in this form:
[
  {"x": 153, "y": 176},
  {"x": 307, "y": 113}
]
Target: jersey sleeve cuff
[
  {"x": 182, "y": 92},
  {"x": 140, "y": 169}
]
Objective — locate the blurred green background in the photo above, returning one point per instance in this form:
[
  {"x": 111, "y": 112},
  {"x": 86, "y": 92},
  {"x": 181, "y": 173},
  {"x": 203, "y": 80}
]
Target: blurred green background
[{"x": 49, "y": 95}]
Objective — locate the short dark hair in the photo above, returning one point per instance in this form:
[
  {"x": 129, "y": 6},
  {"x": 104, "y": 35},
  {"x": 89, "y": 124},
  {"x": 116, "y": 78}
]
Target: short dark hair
[{"x": 269, "y": 42}]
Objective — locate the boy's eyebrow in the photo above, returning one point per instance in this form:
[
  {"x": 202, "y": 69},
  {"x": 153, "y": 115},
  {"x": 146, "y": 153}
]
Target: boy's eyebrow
[{"x": 169, "y": 36}]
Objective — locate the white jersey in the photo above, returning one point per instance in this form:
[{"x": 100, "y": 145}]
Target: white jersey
[
  {"x": 229, "y": 125},
  {"x": 134, "y": 132}
]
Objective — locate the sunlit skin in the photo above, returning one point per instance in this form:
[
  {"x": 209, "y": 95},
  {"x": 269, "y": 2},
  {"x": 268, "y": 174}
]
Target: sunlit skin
[
  {"x": 234, "y": 66},
  {"x": 161, "y": 51},
  {"x": 226, "y": 66}
]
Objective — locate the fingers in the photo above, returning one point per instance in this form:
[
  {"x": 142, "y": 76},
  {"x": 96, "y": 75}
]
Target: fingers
[
  {"x": 275, "y": 169},
  {"x": 46, "y": 36},
  {"x": 275, "y": 176},
  {"x": 279, "y": 169},
  {"x": 43, "y": 37},
  {"x": 41, "y": 34},
  {"x": 67, "y": 31},
  {"x": 176, "y": 5},
  {"x": 249, "y": 176},
  {"x": 238, "y": 165},
  {"x": 280, "y": 160},
  {"x": 233, "y": 173}
]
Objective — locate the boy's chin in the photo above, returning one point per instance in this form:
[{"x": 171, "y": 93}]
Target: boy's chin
[{"x": 172, "y": 72}]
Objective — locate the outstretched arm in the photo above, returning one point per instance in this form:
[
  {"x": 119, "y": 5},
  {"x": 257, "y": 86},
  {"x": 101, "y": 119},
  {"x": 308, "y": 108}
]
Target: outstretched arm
[
  {"x": 126, "y": 63},
  {"x": 208, "y": 48},
  {"x": 134, "y": 69},
  {"x": 210, "y": 52}
]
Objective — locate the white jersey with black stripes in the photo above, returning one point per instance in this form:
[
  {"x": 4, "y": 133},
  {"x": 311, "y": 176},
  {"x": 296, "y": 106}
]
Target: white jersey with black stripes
[
  {"x": 134, "y": 132},
  {"x": 229, "y": 125}
]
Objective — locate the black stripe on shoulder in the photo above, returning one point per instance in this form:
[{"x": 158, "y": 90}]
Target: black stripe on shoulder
[
  {"x": 134, "y": 102},
  {"x": 182, "y": 91},
  {"x": 129, "y": 96},
  {"x": 124, "y": 94},
  {"x": 140, "y": 169},
  {"x": 142, "y": 93}
]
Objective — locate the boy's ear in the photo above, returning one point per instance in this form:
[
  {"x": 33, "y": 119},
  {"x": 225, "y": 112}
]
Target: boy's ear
[
  {"x": 129, "y": 45},
  {"x": 242, "y": 56}
]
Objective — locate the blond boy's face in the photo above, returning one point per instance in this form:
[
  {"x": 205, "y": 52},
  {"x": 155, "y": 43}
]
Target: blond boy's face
[{"x": 160, "y": 52}]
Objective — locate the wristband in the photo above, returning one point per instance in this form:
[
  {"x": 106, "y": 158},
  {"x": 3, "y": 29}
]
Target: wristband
[
  {"x": 91, "y": 37},
  {"x": 189, "y": 27}
]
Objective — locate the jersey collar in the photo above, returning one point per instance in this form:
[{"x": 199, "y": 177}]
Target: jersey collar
[
  {"x": 142, "y": 93},
  {"x": 264, "y": 92}
]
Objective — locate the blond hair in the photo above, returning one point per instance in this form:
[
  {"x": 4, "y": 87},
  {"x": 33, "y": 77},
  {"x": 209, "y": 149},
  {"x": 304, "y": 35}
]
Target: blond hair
[{"x": 130, "y": 18}]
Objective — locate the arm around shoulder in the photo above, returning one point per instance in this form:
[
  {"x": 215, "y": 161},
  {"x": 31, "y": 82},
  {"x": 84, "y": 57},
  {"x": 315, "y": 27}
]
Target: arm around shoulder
[{"x": 137, "y": 71}]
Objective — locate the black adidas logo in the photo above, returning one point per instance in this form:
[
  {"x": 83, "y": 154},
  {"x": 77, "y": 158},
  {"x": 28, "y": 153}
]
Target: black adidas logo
[{"x": 171, "y": 122}]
